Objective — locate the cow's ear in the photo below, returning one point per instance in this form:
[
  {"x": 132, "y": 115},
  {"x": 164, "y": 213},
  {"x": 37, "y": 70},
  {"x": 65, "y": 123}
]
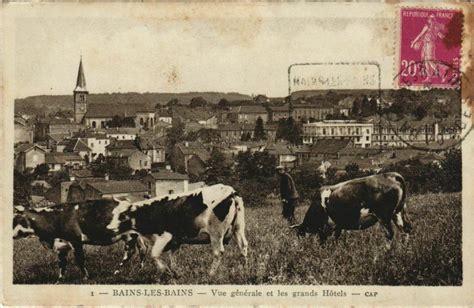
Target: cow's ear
[{"x": 19, "y": 208}]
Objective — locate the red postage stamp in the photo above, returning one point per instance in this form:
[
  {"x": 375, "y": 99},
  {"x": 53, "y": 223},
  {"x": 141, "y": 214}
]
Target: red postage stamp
[{"x": 430, "y": 47}]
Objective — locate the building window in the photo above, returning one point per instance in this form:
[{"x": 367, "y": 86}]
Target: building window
[
  {"x": 99, "y": 141},
  {"x": 366, "y": 138},
  {"x": 170, "y": 191},
  {"x": 94, "y": 124}
]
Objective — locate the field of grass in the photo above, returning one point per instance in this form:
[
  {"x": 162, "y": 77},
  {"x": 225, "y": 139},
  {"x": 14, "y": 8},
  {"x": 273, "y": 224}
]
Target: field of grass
[{"x": 432, "y": 257}]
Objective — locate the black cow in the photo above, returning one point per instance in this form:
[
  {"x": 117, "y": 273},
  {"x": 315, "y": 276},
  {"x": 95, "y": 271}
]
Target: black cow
[
  {"x": 358, "y": 204},
  {"x": 207, "y": 215},
  {"x": 72, "y": 225}
]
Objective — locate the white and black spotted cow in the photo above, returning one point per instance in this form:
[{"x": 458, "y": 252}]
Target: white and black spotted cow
[
  {"x": 358, "y": 204},
  {"x": 70, "y": 226},
  {"x": 208, "y": 215}
]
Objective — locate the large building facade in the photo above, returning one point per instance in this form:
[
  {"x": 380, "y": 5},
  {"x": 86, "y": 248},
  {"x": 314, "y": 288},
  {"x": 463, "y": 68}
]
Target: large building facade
[{"x": 359, "y": 133}]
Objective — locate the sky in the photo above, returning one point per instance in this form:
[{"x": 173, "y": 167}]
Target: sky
[{"x": 249, "y": 55}]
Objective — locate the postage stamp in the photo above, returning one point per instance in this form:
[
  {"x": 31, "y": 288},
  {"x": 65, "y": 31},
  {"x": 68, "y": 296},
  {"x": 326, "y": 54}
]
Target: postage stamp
[
  {"x": 298, "y": 154},
  {"x": 430, "y": 47}
]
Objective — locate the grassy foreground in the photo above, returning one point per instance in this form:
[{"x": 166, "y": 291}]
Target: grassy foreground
[{"x": 432, "y": 257}]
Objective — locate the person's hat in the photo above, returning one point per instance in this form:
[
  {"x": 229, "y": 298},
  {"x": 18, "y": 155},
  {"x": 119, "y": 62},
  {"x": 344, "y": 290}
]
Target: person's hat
[{"x": 280, "y": 167}]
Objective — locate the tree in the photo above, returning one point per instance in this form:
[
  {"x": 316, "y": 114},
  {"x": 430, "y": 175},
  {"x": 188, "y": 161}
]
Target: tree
[
  {"x": 255, "y": 165},
  {"x": 173, "y": 102},
  {"x": 357, "y": 107},
  {"x": 175, "y": 134},
  {"x": 294, "y": 131},
  {"x": 223, "y": 104},
  {"x": 452, "y": 167},
  {"x": 41, "y": 171},
  {"x": 289, "y": 130},
  {"x": 198, "y": 102},
  {"x": 21, "y": 187},
  {"x": 353, "y": 170},
  {"x": 373, "y": 106},
  {"x": 365, "y": 107},
  {"x": 420, "y": 112},
  {"x": 245, "y": 137},
  {"x": 218, "y": 170},
  {"x": 259, "y": 132}
]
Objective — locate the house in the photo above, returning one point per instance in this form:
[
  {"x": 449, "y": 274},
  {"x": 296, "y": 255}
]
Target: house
[
  {"x": 248, "y": 114},
  {"x": 283, "y": 153},
  {"x": 165, "y": 182},
  {"x": 194, "y": 118},
  {"x": 122, "y": 133},
  {"x": 61, "y": 145},
  {"x": 359, "y": 132},
  {"x": 278, "y": 113},
  {"x": 53, "y": 140},
  {"x": 28, "y": 156},
  {"x": 131, "y": 189},
  {"x": 96, "y": 142},
  {"x": 306, "y": 111},
  {"x": 190, "y": 157},
  {"x": 132, "y": 158},
  {"x": 23, "y": 132},
  {"x": 79, "y": 147},
  {"x": 59, "y": 193},
  {"x": 99, "y": 114},
  {"x": 323, "y": 149},
  {"x": 233, "y": 132},
  {"x": 59, "y": 161},
  {"x": 165, "y": 115},
  {"x": 116, "y": 146},
  {"x": 152, "y": 148},
  {"x": 55, "y": 126}
]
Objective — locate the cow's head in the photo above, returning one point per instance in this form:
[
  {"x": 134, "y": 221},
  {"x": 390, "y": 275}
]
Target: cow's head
[
  {"x": 122, "y": 219},
  {"x": 22, "y": 226},
  {"x": 316, "y": 218}
]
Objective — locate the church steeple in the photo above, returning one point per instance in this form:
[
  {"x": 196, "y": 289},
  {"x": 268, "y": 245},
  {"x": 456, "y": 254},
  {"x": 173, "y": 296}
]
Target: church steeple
[
  {"x": 81, "y": 79},
  {"x": 80, "y": 95}
]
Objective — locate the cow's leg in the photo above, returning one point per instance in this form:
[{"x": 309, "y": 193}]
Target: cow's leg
[
  {"x": 401, "y": 221},
  {"x": 130, "y": 247},
  {"x": 239, "y": 236},
  {"x": 80, "y": 260},
  {"x": 159, "y": 244},
  {"x": 387, "y": 226},
  {"x": 142, "y": 248},
  {"x": 337, "y": 233},
  {"x": 217, "y": 245},
  {"x": 62, "y": 263}
]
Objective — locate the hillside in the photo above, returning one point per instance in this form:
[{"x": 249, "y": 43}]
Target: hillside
[{"x": 50, "y": 103}]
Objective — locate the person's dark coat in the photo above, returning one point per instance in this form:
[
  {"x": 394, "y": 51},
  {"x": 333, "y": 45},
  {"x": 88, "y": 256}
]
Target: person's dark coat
[{"x": 287, "y": 187}]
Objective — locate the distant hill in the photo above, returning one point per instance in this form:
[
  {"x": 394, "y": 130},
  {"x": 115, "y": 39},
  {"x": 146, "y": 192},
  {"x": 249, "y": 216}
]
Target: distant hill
[{"x": 50, "y": 103}]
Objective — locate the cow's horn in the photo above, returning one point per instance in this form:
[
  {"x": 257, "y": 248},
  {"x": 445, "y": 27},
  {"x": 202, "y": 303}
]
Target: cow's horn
[{"x": 295, "y": 226}]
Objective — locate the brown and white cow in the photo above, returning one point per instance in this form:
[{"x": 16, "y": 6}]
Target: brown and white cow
[
  {"x": 358, "y": 204},
  {"x": 72, "y": 225},
  {"x": 208, "y": 215}
]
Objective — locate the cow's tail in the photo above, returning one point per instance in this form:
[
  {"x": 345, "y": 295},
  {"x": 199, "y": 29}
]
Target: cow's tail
[
  {"x": 238, "y": 225},
  {"x": 405, "y": 223},
  {"x": 399, "y": 178}
]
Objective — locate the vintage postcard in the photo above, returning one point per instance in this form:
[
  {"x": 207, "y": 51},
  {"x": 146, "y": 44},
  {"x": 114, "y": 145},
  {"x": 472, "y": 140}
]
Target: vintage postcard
[{"x": 243, "y": 153}]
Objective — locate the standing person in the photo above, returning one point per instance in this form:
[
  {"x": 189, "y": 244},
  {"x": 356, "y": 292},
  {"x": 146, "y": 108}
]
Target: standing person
[
  {"x": 426, "y": 39},
  {"x": 288, "y": 194}
]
